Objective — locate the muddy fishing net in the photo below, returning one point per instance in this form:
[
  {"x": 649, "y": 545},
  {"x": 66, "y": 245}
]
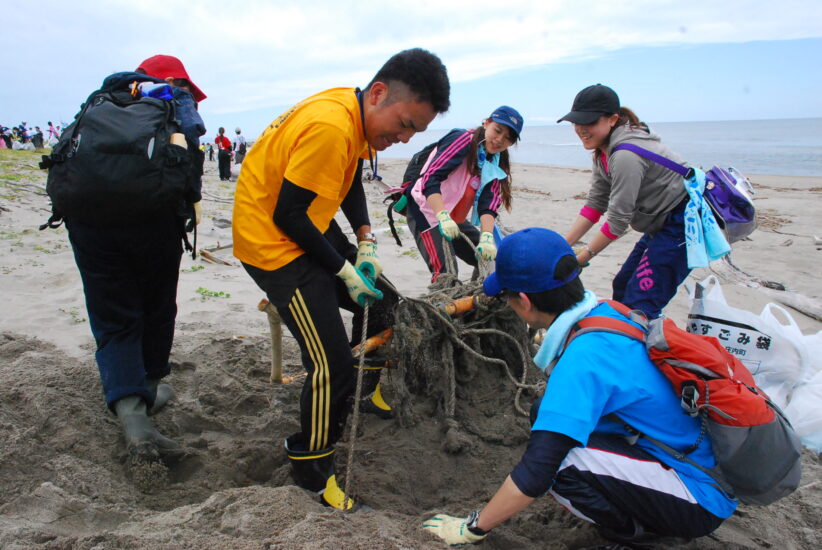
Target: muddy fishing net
[{"x": 471, "y": 371}]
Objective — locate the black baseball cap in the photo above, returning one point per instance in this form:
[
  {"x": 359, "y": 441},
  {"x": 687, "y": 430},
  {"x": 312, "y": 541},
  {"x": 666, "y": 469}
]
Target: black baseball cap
[{"x": 592, "y": 103}]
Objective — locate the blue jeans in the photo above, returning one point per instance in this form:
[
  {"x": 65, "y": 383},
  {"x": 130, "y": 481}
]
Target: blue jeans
[
  {"x": 130, "y": 282},
  {"x": 655, "y": 267}
]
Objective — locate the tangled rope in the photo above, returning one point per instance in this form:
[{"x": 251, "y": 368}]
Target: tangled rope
[
  {"x": 427, "y": 345},
  {"x": 429, "y": 348},
  {"x": 355, "y": 418}
]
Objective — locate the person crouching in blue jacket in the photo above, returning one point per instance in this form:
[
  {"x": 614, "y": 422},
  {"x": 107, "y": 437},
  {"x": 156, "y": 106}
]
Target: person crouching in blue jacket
[{"x": 632, "y": 492}]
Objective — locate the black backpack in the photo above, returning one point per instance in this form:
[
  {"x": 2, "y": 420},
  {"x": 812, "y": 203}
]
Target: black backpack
[
  {"x": 116, "y": 164},
  {"x": 398, "y": 200}
]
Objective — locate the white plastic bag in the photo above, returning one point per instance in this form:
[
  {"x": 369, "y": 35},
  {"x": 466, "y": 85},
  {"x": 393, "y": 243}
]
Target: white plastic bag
[
  {"x": 773, "y": 349},
  {"x": 805, "y": 407}
]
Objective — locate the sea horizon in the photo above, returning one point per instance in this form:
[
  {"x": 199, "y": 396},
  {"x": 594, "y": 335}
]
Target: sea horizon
[{"x": 789, "y": 147}]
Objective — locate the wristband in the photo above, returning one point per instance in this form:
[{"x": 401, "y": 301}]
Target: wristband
[
  {"x": 471, "y": 523},
  {"x": 590, "y": 252}
]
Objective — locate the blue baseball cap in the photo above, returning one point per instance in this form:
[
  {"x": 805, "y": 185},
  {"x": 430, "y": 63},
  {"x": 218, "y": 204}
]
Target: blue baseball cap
[
  {"x": 526, "y": 261},
  {"x": 508, "y": 116}
]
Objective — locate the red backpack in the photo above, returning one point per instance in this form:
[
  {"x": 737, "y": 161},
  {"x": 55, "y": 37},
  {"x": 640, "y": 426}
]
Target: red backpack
[{"x": 756, "y": 450}]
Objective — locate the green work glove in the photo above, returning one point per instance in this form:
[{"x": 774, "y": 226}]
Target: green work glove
[
  {"x": 453, "y": 531},
  {"x": 367, "y": 261},
  {"x": 448, "y": 227},
  {"x": 487, "y": 248},
  {"x": 360, "y": 288}
]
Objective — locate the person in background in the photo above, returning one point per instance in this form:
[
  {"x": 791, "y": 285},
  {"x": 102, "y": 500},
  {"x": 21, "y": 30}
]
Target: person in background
[
  {"x": 303, "y": 168},
  {"x": 53, "y": 134},
  {"x": 462, "y": 184},
  {"x": 223, "y": 155},
  {"x": 634, "y": 192},
  {"x": 239, "y": 146},
  {"x": 130, "y": 275},
  {"x": 210, "y": 150},
  {"x": 577, "y": 452},
  {"x": 37, "y": 138}
]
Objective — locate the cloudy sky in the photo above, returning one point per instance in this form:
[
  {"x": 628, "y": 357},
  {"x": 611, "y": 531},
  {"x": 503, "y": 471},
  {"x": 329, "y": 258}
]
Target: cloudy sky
[{"x": 669, "y": 60}]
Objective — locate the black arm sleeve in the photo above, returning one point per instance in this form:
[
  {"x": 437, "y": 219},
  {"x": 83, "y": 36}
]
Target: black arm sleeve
[
  {"x": 537, "y": 468},
  {"x": 354, "y": 206},
  {"x": 291, "y": 215}
]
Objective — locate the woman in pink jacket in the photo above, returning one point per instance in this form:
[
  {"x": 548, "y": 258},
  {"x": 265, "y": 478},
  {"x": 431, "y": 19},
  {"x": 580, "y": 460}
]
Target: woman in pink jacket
[{"x": 462, "y": 184}]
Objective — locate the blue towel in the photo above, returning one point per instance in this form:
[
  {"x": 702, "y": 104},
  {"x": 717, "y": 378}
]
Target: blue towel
[
  {"x": 489, "y": 171},
  {"x": 704, "y": 239},
  {"x": 558, "y": 331}
]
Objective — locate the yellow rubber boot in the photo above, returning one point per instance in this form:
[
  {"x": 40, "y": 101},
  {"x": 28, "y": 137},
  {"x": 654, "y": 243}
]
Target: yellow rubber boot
[{"x": 376, "y": 405}]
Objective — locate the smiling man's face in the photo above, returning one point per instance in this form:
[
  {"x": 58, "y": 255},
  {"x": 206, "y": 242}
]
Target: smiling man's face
[{"x": 393, "y": 116}]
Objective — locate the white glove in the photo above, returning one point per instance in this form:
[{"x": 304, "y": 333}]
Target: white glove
[
  {"x": 487, "y": 248},
  {"x": 367, "y": 261},
  {"x": 453, "y": 531},
  {"x": 448, "y": 227},
  {"x": 360, "y": 288}
]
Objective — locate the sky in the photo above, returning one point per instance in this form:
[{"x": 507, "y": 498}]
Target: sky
[{"x": 667, "y": 60}]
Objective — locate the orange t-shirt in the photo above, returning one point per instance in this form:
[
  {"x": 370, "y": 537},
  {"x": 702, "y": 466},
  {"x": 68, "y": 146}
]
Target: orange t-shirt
[{"x": 316, "y": 145}]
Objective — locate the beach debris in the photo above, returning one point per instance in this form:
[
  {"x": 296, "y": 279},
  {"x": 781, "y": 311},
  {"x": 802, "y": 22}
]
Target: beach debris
[
  {"x": 789, "y": 242},
  {"x": 727, "y": 271},
  {"x": 209, "y": 256},
  {"x": 805, "y": 305},
  {"x": 276, "y": 328},
  {"x": 222, "y": 223}
]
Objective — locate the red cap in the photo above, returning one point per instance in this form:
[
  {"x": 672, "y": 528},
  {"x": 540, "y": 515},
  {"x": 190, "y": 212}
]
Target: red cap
[{"x": 168, "y": 66}]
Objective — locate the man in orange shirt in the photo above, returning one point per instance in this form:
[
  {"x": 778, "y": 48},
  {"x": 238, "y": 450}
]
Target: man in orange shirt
[{"x": 305, "y": 167}]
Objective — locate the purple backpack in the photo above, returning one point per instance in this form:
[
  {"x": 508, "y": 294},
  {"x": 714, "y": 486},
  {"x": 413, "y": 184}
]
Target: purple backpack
[{"x": 726, "y": 190}]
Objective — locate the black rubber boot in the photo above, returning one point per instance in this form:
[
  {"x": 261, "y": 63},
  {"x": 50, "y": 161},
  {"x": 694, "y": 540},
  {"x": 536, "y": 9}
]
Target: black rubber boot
[
  {"x": 143, "y": 441},
  {"x": 315, "y": 471},
  {"x": 163, "y": 393}
]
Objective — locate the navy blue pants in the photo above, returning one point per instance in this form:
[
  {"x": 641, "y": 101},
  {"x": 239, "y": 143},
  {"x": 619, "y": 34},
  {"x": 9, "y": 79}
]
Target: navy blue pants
[
  {"x": 130, "y": 282},
  {"x": 655, "y": 267}
]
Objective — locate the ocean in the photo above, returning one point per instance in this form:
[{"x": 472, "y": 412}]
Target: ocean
[{"x": 790, "y": 147}]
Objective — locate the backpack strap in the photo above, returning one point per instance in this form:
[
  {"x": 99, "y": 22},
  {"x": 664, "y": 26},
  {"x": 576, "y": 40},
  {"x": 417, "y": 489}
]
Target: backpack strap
[
  {"x": 665, "y": 162},
  {"x": 599, "y": 323},
  {"x": 713, "y": 473}
]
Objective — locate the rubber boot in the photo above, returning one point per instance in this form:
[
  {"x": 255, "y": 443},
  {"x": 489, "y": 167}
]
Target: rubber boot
[
  {"x": 163, "y": 393},
  {"x": 372, "y": 401},
  {"x": 315, "y": 471},
  {"x": 143, "y": 441}
]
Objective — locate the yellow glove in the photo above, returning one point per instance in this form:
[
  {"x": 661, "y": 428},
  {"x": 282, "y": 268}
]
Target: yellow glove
[
  {"x": 453, "y": 531},
  {"x": 198, "y": 212},
  {"x": 579, "y": 249},
  {"x": 360, "y": 288},
  {"x": 367, "y": 261},
  {"x": 487, "y": 248},
  {"x": 448, "y": 227}
]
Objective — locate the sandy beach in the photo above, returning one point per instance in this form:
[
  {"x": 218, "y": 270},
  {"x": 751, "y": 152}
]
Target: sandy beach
[{"x": 63, "y": 479}]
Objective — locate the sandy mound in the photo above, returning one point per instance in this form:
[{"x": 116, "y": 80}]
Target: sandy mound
[{"x": 64, "y": 483}]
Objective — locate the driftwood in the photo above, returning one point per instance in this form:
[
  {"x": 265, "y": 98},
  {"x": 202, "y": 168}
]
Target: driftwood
[
  {"x": 806, "y": 305},
  {"x": 209, "y": 257},
  {"x": 276, "y": 327}
]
